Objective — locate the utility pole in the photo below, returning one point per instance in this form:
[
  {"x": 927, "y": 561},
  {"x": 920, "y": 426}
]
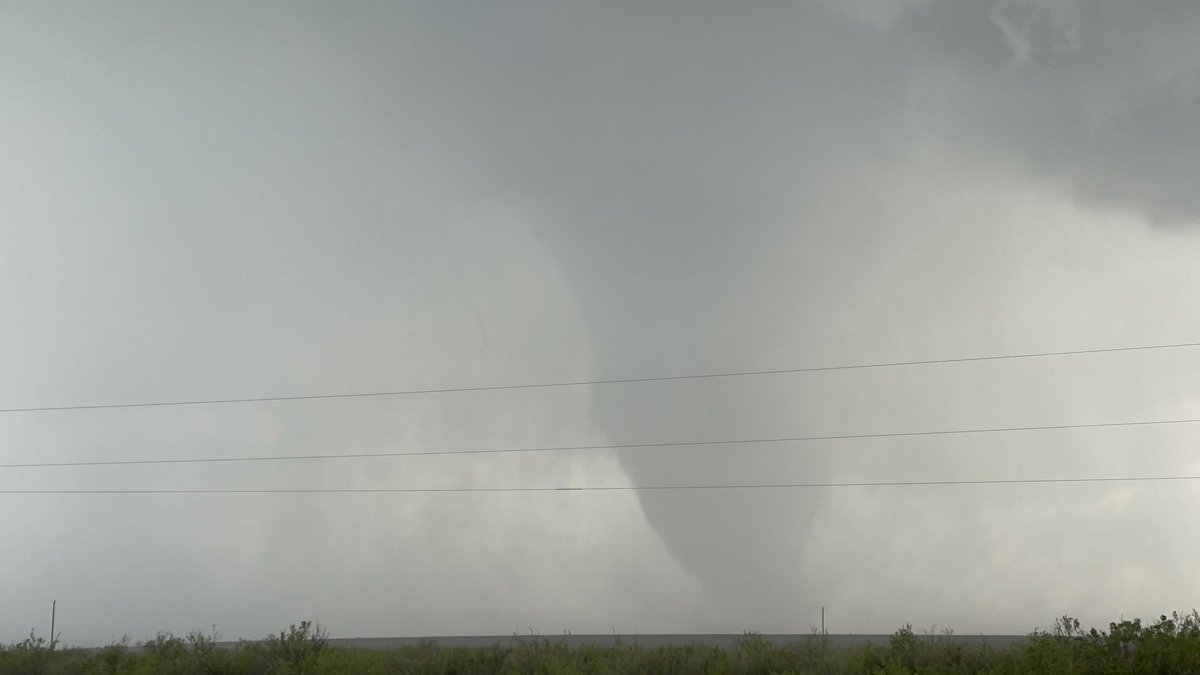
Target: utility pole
[
  {"x": 53, "y": 613},
  {"x": 822, "y": 619}
]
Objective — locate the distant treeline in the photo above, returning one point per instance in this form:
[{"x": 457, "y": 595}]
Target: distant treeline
[{"x": 1165, "y": 647}]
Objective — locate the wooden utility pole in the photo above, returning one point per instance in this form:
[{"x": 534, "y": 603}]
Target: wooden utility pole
[
  {"x": 53, "y": 613},
  {"x": 822, "y": 619}
]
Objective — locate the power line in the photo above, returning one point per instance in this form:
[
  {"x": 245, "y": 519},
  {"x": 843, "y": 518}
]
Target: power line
[
  {"x": 621, "y": 446},
  {"x": 614, "y": 488},
  {"x": 583, "y": 383}
]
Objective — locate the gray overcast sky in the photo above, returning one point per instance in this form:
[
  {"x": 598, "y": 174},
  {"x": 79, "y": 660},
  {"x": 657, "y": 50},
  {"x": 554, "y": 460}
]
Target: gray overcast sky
[{"x": 241, "y": 199}]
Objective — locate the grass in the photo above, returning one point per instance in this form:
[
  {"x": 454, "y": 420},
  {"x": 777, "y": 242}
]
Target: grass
[{"x": 1167, "y": 646}]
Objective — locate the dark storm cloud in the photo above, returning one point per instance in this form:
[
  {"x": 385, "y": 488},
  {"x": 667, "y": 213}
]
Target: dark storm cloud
[{"x": 1102, "y": 97}]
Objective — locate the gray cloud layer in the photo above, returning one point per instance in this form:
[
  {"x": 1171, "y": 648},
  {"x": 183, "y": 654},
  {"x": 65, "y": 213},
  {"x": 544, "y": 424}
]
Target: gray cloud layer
[{"x": 259, "y": 199}]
